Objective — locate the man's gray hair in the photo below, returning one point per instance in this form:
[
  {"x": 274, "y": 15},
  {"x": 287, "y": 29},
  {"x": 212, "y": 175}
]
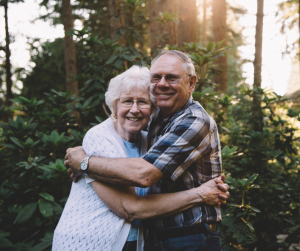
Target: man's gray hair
[
  {"x": 187, "y": 65},
  {"x": 135, "y": 77}
]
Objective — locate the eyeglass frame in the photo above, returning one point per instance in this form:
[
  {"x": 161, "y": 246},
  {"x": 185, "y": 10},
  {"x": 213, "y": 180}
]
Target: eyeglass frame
[
  {"x": 135, "y": 100},
  {"x": 164, "y": 75}
]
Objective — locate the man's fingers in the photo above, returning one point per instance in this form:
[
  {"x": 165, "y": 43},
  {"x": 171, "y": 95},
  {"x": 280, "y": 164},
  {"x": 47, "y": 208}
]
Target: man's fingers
[
  {"x": 70, "y": 171},
  {"x": 67, "y": 155},
  {"x": 218, "y": 181},
  {"x": 66, "y": 164},
  {"x": 223, "y": 187},
  {"x": 224, "y": 196}
]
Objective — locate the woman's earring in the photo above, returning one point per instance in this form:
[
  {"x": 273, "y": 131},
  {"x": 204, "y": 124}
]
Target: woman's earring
[{"x": 115, "y": 116}]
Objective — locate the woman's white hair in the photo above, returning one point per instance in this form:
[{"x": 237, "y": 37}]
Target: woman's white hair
[{"x": 135, "y": 77}]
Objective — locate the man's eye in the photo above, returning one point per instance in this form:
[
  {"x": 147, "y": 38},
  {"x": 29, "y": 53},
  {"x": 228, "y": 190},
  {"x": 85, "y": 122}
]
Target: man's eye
[
  {"x": 156, "y": 77},
  {"x": 171, "y": 77}
]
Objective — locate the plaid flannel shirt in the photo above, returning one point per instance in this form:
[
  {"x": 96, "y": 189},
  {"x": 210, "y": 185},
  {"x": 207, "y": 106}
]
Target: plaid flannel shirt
[{"x": 186, "y": 148}]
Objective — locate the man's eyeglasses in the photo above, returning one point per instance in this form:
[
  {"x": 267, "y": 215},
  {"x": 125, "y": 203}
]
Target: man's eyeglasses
[
  {"x": 170, "y": 78},
  {"x": 141, "y": 103}
]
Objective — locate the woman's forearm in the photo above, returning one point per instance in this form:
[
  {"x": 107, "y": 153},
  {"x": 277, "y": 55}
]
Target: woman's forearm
[{"x": 127, "y": 204}]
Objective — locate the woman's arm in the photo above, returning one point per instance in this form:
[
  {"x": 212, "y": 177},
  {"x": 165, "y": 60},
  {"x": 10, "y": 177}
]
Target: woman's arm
[{"x": 128, "y": 205}]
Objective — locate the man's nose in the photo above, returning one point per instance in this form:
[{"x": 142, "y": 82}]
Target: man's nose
[{"x": 163, "y": 82}]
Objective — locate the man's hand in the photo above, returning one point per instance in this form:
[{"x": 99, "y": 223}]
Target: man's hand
[
  {"x": 214, "y": 192},
  {"x": 72, "y": 161},
  {"x": 223, "y": 188}
]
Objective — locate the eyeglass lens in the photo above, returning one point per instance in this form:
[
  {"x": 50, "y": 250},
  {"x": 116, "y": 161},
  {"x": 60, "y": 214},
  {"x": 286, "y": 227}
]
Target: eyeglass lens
[
  {"x": 170, "y": 78},
  {"x": 128, "y": 102}
]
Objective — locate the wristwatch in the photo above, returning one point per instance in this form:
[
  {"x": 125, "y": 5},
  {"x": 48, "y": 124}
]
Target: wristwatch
[{"x": 84, "y": 165}]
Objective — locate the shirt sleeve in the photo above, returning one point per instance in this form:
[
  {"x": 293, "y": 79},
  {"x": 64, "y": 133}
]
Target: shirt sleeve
[{"x": 188, "y": 140}]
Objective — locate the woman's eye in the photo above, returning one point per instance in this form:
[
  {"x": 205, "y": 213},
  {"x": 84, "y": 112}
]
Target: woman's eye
[
  {"x": 142, "y": 102},
  {"x": 127, "y": 101}
]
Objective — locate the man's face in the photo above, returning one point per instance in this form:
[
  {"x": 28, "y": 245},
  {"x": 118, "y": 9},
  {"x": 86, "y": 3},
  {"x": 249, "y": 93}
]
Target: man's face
[{"x": 171, "y": 97}]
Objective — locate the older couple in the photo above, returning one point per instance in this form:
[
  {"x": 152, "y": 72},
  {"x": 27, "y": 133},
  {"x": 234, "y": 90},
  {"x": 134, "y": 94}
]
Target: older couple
[{"x": 180, "y": 168}]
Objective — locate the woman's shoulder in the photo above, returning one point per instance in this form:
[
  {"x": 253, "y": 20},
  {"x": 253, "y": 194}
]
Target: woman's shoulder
[
  {"x": 101, "y": 140},
  {"x": 100, "y": 130}
]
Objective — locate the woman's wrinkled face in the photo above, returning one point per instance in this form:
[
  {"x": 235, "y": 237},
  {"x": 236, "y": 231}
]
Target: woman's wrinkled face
[{"x": 133, "y": 113}]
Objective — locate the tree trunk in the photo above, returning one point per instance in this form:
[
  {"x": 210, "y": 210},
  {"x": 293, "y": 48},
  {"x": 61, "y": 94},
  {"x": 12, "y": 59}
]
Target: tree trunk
[
  {"x": 157, "y": 29},
  {"x": 70, "y": 55},
  {"x": 187, "y": 27},
  {"x": 115, "y": 10},
  {"x": 9, "y": 94},
  {"x": 256, "y": 103},
  {"x": 220, "y": 33},
  {"x": 204, "y": 23}
]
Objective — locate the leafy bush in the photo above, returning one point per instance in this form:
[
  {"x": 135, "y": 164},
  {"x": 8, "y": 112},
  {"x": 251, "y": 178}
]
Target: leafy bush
[
  {"x": 262, "y": 167},
  {"x": 34, "y": 181}
]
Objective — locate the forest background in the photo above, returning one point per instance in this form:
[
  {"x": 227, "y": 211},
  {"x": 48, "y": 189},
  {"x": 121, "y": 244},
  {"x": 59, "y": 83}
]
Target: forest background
[{"x": 62, "y": 96}]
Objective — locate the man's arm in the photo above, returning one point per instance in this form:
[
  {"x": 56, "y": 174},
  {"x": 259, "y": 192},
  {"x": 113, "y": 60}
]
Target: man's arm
[
  {"x": 128, "y": 205},
  {"x": 120, "y": 171}
]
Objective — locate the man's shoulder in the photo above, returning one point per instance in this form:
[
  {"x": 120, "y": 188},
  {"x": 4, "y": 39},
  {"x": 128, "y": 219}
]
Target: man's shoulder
[{"x": 194, "y": 111}]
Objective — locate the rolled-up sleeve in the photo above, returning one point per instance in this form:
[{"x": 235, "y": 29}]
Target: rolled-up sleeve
[{"x": 189, "y": 139}]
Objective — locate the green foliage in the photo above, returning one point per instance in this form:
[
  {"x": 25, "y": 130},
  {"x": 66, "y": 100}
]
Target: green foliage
[
  {"x": 262, "y": 167},
  {"x": 266, "y": 160},
  {"x": 48, "y": 71},
  {"x": 34, "y": 182}
]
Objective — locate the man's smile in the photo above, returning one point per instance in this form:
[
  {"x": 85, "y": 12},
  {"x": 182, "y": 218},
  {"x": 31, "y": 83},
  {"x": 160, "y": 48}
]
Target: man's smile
[{"x": 164, "y": 94}]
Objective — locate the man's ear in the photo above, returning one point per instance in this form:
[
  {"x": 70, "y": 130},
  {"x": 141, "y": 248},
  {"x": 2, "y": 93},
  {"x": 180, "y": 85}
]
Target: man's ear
[{"x": 193, "y": 80}]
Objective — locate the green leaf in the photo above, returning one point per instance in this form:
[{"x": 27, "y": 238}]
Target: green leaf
[
  {"x": 241, "y": 238},
  {"x": 226, "y": 151},
  {"x": 17, "y": 142},
  {"x": 47, "y": 196},
  {"x": 122, "y": 31},
  {"x": 112, "y": 59},
  {"x": 57, "y": 208},
  {"x": 210, "y": 46},
  {"x": 248, "y": 224},
  {"x": 252, "y": 178},
  {"x": 4, "y": 234},
  {"x": 254, "y": 209},
  {"x": 118, "y": 63},
  {"x": 26, "y": 213},
  {"x": 5, "y": 243},
  {"x": 46, "y": 208},
  {"x": 293, "y": 229},
  {"x": 42, "y": 246},
  {"x": 232, "y": 205}
]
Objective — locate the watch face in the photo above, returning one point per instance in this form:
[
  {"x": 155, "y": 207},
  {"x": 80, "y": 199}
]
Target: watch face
[{"x": 83, "y": 166}]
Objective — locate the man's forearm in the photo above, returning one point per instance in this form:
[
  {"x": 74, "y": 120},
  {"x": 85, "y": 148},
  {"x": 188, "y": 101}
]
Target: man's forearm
[{"x": 123, "y": 171}]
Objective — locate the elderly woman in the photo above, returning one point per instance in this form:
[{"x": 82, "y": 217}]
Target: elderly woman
[{"x": 88, "y": 222}]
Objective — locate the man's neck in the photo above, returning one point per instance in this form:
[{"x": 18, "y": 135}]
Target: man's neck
[{"x": 166, "y": 114}]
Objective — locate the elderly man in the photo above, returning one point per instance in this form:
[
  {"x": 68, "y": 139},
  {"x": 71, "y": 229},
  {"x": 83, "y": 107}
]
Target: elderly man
[{"x": 184, "y": 152}]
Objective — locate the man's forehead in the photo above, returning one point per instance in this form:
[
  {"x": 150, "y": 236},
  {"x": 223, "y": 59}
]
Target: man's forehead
[{"x": 167, "y": 62}]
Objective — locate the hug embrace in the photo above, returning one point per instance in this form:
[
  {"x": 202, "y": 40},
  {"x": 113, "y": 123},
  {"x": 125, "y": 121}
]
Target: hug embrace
[{"x": 149, "y": 177}]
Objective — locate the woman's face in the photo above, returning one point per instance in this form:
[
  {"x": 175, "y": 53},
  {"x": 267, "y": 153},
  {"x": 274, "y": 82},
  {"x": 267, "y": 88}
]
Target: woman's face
[{"x": 132, "y": 119}]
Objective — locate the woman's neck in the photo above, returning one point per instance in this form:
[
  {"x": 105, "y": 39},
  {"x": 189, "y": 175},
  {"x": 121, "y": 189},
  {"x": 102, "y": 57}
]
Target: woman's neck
[{"x": 130, "y": 137}]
